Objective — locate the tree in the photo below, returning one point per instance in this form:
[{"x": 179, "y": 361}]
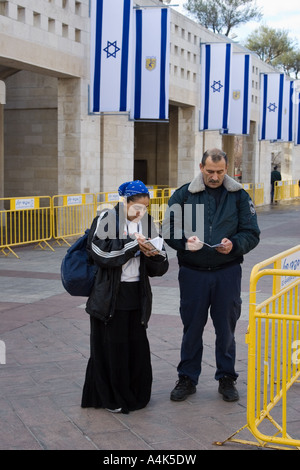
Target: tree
[
  {"x": 289, "y": 62},
  {"x": 269, "y": 43},
  {"x": 223, "y": 15}
]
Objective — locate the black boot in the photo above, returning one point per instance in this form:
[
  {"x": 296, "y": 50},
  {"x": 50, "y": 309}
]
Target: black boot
[
  {"x": 183, "y": 388},
  {"x": 227, "y": 389}
]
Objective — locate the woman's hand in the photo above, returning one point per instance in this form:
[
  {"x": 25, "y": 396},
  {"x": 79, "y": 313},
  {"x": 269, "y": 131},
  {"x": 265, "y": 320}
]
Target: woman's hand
[{"x": 144, "y": 247}]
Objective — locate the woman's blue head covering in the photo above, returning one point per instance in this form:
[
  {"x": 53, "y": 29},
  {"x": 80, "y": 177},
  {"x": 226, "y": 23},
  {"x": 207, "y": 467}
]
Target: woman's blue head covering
[{"x": 131, "y": 188}]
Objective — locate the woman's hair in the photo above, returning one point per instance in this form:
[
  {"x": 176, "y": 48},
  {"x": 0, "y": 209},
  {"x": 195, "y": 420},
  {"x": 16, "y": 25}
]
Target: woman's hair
[
  {"x": 135, "y": 197},
  {"x": 215, "y": 154}
]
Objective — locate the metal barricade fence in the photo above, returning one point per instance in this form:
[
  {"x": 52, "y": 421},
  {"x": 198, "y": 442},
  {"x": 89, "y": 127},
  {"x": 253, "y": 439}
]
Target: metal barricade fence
[
  {"x": 273, "y": 340},
  {"x": 106, "y": 200},
  {"x": 295, "y": 189},
  {"x": 249, "y": 188},
  {"x": 39, "y": 219},
  {"x": 157, "y": 206},
  {"x": 284, "y": 190},
  {"x": 72, "y": 215},
  {"x": 24, "y": 220},
  {"x": 259, "y": 193}
]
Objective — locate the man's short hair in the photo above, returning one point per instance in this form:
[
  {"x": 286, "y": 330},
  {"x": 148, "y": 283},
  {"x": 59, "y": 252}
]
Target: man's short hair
[{"x": 215, "y": 154}]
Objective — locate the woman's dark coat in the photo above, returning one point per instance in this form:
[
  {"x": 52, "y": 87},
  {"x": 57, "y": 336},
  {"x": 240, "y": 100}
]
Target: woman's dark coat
[{"x": 110, "y": 250}]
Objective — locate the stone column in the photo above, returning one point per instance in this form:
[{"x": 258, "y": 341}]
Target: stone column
[
  {"x": 212, "y": 139},
  {"x": 117, "y": 151},
  {"x": 173, "y": 147},
  {"x": 249, "y": 155},
  {"x": 78, "y": 140},
  {"x": 186, "y": 145},
  {"x": 69, "y": 144},
  {"x": 228, "y": 148}
]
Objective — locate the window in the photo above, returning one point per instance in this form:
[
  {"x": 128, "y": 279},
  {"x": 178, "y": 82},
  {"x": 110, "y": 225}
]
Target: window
[
  {"x": 21, "y": 14},
  {"x": 36, "y": 19},
  {"x": 51, "y": 25}
]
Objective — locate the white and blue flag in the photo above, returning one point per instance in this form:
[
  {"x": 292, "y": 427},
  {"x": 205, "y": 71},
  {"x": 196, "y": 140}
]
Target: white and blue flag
[
  {"x": 240, "y": 95},
  {"x": 288, "y": 111},
  {"x": 150, "y": 97},
  {"x": 297, "y": 118},
  {"x": 276, "y": 114},
  {"x": 111, "y": 49},
  {"x": 215, "y": 86}
]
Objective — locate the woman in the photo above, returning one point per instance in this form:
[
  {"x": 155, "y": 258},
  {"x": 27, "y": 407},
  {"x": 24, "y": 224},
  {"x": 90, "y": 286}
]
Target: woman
[{"x": 119, "y": 372}]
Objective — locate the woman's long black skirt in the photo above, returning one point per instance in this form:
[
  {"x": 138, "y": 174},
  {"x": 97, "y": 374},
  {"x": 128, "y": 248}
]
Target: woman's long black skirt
[{"x": 119, "y": 372}]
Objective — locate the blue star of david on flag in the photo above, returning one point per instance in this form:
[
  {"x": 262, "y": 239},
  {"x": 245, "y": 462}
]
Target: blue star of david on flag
[
  {"x": 216, "y": 86},
  {"x": 272, "y": 107},
  {"x": 111, "y": 49}
]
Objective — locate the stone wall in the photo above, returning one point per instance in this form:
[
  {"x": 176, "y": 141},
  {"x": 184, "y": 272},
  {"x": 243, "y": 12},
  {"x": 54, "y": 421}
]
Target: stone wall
[{"x": 30, "y": 144}]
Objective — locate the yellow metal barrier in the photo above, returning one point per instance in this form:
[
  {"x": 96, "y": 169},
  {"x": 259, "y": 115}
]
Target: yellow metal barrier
[
  {"x": 284, "y": 190},
  {"x": 259, "y": 194},
  {"x": 249, "y": 188},
  {"x": 106, "y": 200},
  {"x": 273, "y": 340},
  {"x": 24, "y": 220},
  {"x": 295, "y": 190},
  {"x": 158, "y": 204},
  {"x": 72, "y": 214},
  {"x": 38, "y": 219}
]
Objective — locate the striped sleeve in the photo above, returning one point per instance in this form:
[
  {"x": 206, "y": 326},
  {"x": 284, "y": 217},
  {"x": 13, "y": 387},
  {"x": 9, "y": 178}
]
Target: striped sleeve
[
  {"x": 107, "y": 249},
  {"x": 115, "y": 251}
]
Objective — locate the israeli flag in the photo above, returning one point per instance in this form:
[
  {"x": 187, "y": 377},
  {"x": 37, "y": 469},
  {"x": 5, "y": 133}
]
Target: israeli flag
[
  {"x": 240, "y": 95},
  {"x": 288, "y": 112},
  {"x": 215, "y": 86},
  {"x": 276, "y": 113},
  {"x": 151, "y": 79},
  {"x": 111, "y": 55},
  {"x": 297, "y": 119}
]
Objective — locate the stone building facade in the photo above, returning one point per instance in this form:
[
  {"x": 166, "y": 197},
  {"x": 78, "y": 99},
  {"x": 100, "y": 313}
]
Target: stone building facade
[{"x": 50, "y": 144}]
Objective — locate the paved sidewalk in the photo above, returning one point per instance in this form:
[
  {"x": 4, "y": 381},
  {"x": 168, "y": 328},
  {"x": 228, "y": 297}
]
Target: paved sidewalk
[{"x": 46, "y": 333}]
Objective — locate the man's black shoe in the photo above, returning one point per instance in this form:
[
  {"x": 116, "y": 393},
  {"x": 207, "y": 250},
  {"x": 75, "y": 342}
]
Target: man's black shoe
[
  {"x": 183, "y": 388},
  {"x": 227, "y": 389}
]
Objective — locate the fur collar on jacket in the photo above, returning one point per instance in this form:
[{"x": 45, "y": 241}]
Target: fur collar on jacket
[{"x": 197, "y": 184}]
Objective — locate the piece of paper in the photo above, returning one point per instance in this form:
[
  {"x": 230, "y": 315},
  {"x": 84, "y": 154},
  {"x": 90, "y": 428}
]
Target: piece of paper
[
  {"x": 157, "y": 243},
  {"x": 212, "y": 246}
]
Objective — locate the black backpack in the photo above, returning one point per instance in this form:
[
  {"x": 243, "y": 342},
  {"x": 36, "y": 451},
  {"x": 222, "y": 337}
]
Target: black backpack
[{"x": 77, "y": 269}]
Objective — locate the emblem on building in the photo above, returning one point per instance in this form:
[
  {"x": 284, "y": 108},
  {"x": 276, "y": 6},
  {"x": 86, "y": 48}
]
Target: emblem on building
[
  {"x": 150, "y": 63},
  {"x": 236, "y": 94}
]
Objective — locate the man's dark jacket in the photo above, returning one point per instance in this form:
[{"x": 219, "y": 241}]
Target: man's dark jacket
[{"x": 234, "y": 217}]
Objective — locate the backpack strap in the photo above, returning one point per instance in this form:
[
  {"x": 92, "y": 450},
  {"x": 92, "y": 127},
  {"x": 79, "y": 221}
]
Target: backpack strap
[{"x": 90, "y": 233}]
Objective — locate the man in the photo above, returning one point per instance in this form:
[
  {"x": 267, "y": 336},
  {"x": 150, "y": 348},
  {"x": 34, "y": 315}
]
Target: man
[
  {"x": 275, "y": 176},
  {"x": 210, "y": 277}
]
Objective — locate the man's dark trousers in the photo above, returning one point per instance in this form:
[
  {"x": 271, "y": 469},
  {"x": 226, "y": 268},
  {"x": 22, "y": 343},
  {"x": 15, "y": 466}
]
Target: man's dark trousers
[{"x": 220, "y": 291}]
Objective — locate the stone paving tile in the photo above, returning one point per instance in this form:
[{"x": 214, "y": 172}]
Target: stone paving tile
[{"x": 62, "y": 436}]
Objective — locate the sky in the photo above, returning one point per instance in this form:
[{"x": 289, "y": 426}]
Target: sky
[{"x": 278, "y": 14}]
